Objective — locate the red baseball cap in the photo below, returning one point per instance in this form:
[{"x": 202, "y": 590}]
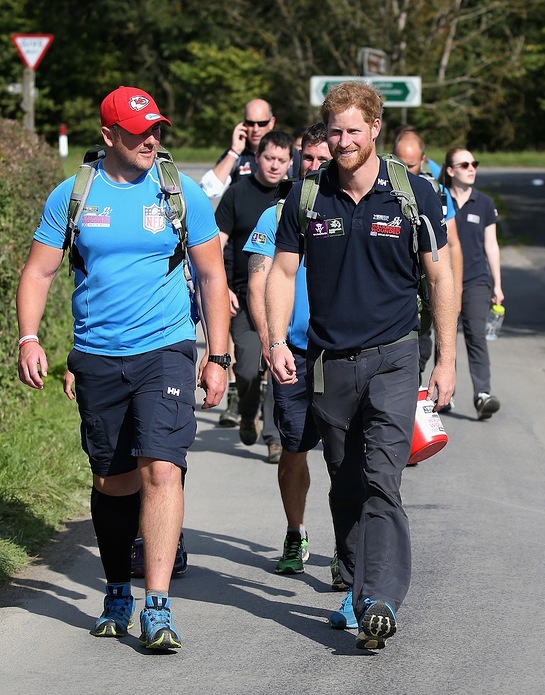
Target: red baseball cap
[{"x": 132, "y": 109}]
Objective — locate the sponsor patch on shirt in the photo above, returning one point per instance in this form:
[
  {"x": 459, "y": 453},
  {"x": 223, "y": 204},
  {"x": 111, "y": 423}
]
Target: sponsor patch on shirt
[
  {"x": 91, "y": 217},
  {"x": 475, "y": 219},
  {"x": 387, "y": 229},
  {"x": 327, "y": 228},
  {"x": 154, "y": 219},
  {"x": 259, "y": 238}
]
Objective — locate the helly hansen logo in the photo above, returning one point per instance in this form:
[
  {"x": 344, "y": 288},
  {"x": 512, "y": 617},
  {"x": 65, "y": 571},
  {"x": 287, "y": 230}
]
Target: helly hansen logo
[{"x": 171, "y": 391}]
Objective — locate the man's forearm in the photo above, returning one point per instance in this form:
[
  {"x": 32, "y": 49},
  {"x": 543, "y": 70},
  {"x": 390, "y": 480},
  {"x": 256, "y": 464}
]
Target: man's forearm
[
  {"x": 279, "y": 298},
  {"x": 215, "y": 306}
]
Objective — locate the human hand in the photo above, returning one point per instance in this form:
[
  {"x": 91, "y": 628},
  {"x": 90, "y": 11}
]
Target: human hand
[
  {"x": 68, "y": 383},
  {"x": 213, "y": 380},
  {"x": 442, "y": 381},
  {"x": 234, "y": 305},
  {"x": 238, "y": 140},
  {"x": 32, "y": 365},
  {"x": 282, "y": 365}
]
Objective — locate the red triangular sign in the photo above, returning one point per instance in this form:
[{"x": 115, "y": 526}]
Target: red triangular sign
[{"x": 32, "y": 47}]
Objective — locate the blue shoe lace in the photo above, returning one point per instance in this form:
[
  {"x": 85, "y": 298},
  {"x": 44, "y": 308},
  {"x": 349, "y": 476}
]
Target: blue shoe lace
[{"x": 116, "y": 618}]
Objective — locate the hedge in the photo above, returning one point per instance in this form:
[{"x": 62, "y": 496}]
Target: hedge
[{"x": 29, "y": 170}]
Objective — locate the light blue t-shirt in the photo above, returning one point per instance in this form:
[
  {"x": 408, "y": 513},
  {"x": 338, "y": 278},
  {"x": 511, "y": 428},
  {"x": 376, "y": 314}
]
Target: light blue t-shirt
[
  {"x": 435, "y": 169},
  {"x": 262, "y": 240},
  {"x": 131, "y": 297}
]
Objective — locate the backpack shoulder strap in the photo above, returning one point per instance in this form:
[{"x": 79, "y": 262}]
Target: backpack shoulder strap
[
  {"x": 78, "y": 197},
  {"x": 403, "y": 191},
  {"x": 279, "y": 208},
  {"x": 169, "y": 179},
  {"x": 171, "y": 188},
  {"x": 309, "y": 191}
]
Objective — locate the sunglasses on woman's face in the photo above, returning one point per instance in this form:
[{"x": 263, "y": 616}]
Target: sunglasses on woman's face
[{"x": 466, "y": 165}]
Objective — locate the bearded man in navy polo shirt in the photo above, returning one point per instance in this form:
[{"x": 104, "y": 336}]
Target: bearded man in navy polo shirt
[{"x": 362, "y": 277}]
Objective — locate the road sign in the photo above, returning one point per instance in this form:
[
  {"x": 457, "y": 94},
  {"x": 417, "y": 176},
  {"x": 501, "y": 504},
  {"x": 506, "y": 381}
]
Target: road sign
[
  {"x": 372, "y": 61},
  {"x": 397, "y": 90},
  {"x": 32, "y": 47}
]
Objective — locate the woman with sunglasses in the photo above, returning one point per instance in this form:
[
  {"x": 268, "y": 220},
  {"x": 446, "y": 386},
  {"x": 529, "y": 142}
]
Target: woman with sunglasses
[{"x": 476, "y": 218}]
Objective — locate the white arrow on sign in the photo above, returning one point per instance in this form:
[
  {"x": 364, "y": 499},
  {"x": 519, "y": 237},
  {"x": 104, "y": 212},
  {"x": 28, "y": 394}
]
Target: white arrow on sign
[
  {"x": 32, "y": 47},
  {"x": 397, "y": 90}
]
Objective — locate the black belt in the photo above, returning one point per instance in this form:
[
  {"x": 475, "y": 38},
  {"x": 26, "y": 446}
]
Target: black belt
[{"x": 344, "y": 354}]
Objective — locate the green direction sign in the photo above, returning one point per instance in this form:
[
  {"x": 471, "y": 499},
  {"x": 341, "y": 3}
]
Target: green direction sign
[{"x": 398, "y": 91}]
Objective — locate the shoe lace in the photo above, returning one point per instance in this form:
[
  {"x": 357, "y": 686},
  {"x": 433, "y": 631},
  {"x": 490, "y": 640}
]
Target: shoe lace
[
  {"x": 118, "y": 607},
  {"x": 292, "y": 547},
  {"x": 347, "y": 601},
  {"x": 159, "y": 616}
]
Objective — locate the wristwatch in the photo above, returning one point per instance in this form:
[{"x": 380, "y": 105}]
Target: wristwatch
[{"x": 223, "y": 360}]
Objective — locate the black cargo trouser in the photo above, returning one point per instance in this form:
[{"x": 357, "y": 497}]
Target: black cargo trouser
[{"x": 366, "y": 420}]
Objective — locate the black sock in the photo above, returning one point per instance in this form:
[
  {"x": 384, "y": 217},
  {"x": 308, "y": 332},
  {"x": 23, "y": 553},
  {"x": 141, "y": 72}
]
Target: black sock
[{"x": 116, "y": 524}]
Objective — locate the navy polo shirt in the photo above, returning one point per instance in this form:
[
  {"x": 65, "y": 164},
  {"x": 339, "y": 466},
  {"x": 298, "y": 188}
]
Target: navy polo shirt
[
  {"x": 362, "y": 275},
  {"x": 471, "y": 220}
]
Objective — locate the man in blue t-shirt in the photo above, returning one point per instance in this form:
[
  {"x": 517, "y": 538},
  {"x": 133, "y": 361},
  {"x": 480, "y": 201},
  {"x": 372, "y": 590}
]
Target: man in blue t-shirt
[
  {"x": 292, "y": 414},
  {"x": 134, "y": 350},
  {"x": 362, "y": 355}
]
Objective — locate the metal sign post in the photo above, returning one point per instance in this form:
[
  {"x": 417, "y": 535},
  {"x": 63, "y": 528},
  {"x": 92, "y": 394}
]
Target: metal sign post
[{"x": 31, "y": 48}]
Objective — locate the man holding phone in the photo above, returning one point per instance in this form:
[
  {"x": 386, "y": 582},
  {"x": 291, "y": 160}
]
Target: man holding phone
[{"x": 239, "y": 159}]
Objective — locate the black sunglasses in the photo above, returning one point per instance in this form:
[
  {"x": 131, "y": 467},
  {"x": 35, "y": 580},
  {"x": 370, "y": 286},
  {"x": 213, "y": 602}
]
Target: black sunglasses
[
  {"x": 261, "y": 124},
  {"x": 466, "y": 165}
]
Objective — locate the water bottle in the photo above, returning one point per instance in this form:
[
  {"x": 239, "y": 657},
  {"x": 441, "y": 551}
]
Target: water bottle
[{"x": 494, "y": 321}]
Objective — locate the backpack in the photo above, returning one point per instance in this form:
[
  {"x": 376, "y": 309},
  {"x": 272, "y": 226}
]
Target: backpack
[
  {"x": 402, "y": 190},
  {"x": 171, "y": 189}
]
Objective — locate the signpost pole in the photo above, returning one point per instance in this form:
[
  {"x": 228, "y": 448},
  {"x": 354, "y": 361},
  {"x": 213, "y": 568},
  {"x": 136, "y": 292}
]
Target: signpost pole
[
  {"x": 31, "y": 48},
  {"x": 28, "y": 98}
]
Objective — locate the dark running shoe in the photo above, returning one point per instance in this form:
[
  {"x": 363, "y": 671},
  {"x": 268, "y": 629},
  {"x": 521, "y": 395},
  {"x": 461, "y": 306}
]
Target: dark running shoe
[
  {"x": 137, "y": 559},
  {"x": 486, "y": 405},
  {"x": 377, "y": 624},
  {"x": 180, "y": 561},
  {"x": 116, "y": 618},
  {"x": 337, "y": 583},
  {"x": 230, "y": 417},
  {"x": 249, "y": 430},
  {"x": 156, "y": 625}
]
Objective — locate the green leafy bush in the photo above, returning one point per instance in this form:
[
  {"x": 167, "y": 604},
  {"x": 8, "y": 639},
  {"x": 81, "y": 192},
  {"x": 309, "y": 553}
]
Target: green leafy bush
[{"x": 29, "y": 170}]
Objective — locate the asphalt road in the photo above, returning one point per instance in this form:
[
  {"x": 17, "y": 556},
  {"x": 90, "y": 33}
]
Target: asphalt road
[{"x": 473, "y": 620}]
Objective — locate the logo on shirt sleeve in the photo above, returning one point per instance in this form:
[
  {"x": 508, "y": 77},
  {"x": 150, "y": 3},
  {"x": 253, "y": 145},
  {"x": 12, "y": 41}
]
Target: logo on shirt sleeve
[{"x": 259, "y": 238}]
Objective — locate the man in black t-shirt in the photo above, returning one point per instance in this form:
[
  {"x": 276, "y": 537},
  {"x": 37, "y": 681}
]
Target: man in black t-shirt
[{"x": 236, "y": 216}]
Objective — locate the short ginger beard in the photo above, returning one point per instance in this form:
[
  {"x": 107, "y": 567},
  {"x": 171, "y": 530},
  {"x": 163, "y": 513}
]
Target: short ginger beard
[{"x": 361, "y": 158}]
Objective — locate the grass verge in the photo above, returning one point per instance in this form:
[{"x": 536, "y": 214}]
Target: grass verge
[{"x": 44, "y": 475}]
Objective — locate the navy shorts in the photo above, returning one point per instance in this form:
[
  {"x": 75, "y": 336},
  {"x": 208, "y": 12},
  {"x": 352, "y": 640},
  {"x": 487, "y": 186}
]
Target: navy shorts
[
  {"x": 292, "y": 412},
  {"x": 138, "y": 405}
]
